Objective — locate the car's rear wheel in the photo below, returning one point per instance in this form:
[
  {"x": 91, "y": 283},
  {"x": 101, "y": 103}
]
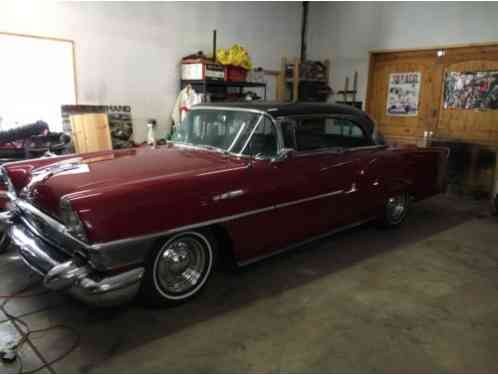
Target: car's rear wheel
[
  {"x": 396, "y": 210},
  {"x": 179, "y": 268},
  {"x": 4, "y": 241}
]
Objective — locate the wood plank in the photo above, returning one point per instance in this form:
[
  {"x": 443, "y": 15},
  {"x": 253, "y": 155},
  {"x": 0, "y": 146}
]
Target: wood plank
[{"x": 90, "y": 132}]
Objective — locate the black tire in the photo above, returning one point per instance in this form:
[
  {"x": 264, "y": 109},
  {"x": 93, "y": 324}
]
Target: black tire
[
  {"x": 395, "y": 210},
  {"x": 191, "y": 251},
  {"x": 4, "y": 242}
]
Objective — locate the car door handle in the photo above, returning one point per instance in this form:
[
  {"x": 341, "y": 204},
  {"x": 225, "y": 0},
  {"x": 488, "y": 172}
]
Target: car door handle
[{"x": 228, "y": 195}]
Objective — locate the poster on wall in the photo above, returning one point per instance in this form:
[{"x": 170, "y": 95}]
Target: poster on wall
[
  {"x": 403, "y": 94},
  {"x": 471, "y": 90},
  {"x": 119, "y": 118}
]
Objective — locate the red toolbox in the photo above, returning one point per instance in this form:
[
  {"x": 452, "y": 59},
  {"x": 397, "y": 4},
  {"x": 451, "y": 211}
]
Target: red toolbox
[{"x": 235, "y": 73}]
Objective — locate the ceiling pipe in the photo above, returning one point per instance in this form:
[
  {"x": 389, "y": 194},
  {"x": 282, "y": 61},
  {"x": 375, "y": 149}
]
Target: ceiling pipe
[{"x": 304, "y": 29}]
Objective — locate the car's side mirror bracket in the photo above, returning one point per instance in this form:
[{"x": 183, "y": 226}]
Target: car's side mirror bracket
[{"x": 283, "y": 154}]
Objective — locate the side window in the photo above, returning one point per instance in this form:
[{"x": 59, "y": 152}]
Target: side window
[
  {"x": 347, "y": 133},
  {"x": 263, "y": 141},
  {"x": 315, "y": 134},
  {"x": 288, "y": 128}
]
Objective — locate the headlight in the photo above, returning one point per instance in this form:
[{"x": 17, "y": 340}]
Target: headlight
[{"x": 72, "y": 220}]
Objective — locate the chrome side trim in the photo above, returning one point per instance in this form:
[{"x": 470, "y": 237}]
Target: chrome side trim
[
  {"x": 282, "y": 205},
  {"x": 372, "y": 147},
  {"x": 304, "y": 242},
  {"x": 337, "y": 150},
  {"x": 144, "y": 237}
]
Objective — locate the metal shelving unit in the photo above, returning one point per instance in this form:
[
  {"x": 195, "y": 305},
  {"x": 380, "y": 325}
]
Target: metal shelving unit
[{"x": 218, "y": 89}]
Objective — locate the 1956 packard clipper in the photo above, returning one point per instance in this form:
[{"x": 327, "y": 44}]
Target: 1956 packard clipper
[{"x": 247, "y": 180}]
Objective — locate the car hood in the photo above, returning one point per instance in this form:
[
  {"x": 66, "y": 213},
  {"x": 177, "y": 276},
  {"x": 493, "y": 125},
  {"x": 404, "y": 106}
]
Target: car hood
[{"x": 91, "y": 173}]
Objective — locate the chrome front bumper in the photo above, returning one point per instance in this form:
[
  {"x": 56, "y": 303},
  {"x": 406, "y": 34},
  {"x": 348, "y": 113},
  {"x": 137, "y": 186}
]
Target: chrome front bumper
[{"x": 61, "y": 273}]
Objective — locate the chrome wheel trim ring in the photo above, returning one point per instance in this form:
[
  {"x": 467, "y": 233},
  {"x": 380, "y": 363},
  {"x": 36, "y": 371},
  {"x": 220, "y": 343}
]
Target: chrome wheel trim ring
[
  {"x": 397, "y": 208},
  {"x": 173, "y": 256}
]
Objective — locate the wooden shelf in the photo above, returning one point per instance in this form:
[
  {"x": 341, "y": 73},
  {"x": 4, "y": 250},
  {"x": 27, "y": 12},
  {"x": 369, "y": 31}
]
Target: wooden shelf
[{"x": 296, "y": 80}]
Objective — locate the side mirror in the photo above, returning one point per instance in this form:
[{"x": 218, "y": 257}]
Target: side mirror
[{"x": 284, "y": 154}]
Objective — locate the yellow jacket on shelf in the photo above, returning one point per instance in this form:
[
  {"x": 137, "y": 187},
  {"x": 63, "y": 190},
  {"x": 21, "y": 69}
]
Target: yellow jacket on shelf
[{"x": 235, "y": 55}]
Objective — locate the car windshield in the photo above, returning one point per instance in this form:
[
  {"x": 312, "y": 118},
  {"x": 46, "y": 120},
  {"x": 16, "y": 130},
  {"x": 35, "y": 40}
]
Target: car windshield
[{"x": 217, "y": 129}]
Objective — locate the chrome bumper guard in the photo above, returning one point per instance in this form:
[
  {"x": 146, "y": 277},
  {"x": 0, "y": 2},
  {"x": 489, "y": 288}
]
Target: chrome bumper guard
[{"x": 62, "y": 273}]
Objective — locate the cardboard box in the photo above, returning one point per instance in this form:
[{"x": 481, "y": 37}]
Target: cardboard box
[{"x": 200, "y": 70}]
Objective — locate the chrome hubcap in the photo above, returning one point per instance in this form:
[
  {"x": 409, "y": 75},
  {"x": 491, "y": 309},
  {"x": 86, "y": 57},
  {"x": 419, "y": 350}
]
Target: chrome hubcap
[
  {"x": 181, "y": 265},
  {"x": 397, "y": 207}
]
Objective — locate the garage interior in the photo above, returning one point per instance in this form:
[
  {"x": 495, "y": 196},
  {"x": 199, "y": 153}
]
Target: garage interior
[{"x": 116, "y": 75}]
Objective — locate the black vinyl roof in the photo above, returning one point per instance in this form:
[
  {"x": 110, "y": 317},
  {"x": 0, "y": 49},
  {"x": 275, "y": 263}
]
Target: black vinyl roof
[{"x": 278, "y": 109}]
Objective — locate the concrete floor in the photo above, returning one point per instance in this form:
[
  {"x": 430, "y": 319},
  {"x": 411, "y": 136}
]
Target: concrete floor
[{"x": 419, "y": 299}]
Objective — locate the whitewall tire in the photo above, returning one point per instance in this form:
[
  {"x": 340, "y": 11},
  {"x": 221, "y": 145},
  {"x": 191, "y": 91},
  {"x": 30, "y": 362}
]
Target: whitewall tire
[{"x": 179, "y": 268}]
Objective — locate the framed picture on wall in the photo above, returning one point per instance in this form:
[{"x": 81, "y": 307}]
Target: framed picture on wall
[
  {"x": 403, "y": 94},
  {"x": 471, "y": 90}
]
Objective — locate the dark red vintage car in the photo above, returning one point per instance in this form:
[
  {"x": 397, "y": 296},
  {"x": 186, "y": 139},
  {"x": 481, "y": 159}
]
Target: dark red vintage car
[{"x": 244, "y": 180}]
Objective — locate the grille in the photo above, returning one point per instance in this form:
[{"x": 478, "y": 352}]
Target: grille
[
  {"x": 5, "y": 180},
  {"x": 46, "y": 228}
]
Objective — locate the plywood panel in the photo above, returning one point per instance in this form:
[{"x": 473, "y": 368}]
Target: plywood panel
[
  {"x": 91, "y": 132},
  {"x": 469, "y": 124},
  {"x": 451, "y": 124},
  {"x": 408, "y": 128}
]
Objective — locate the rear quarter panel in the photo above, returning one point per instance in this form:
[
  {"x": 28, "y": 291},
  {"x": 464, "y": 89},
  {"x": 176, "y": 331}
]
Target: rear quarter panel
[{"x": 427, "y": 168}]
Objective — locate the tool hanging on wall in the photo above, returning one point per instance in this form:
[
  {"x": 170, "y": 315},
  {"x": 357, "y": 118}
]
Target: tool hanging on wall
[
  {"x": 151, "y": 132},
  {"x": 346, "y": 93}
]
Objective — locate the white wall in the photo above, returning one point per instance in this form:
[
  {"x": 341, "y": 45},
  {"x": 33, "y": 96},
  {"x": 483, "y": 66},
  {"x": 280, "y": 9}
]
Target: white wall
[
  {"x": 345, "y": 32},
  {"x": 129, "y": 53}
]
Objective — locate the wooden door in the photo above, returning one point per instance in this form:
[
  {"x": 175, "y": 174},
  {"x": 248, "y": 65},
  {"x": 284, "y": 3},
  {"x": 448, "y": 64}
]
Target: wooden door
[
  {"x": 91, "y": 132},
  {"x": 400, "y": 128}
]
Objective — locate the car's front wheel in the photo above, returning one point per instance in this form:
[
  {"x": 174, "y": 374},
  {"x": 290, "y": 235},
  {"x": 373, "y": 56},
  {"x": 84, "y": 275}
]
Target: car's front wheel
[
  {"x": 179, "y": 268},
  {"x": 396, "y": 210}
]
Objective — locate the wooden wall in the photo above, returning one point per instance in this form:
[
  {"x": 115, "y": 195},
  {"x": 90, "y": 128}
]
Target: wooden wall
[
  {"x": 476, "y": 127},
  {"x": 460, "y": 125}
]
